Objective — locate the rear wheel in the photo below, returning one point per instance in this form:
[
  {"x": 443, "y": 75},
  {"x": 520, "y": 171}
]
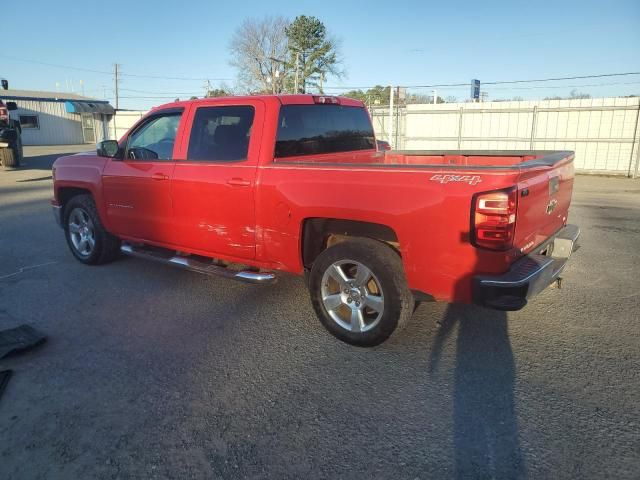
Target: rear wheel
[
  {"x": 359, "y": 292},
  {"x": 8, "y": 158},
  {"x": 12, "y": 157},
  {"x": 88, "y": 240}
]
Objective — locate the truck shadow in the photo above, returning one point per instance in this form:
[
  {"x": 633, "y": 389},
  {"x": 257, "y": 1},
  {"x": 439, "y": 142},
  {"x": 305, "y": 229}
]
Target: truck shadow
[
  {"x": 485, "y": 424},
  {"x": 41, "y": 162}
]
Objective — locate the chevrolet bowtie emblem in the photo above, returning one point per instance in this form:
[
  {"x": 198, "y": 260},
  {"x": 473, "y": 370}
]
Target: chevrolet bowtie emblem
[{"x": 552, "y": 206}]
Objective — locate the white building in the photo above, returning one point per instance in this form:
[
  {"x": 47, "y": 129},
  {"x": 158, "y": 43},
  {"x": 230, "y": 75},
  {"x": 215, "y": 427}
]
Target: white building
[{"x": 49, "y": 118}]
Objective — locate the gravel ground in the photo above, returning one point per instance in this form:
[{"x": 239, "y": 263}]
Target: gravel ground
[{"x": 154, "y": 372}]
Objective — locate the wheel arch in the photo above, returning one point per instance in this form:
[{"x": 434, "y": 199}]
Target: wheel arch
[
  {"x": 64, "y": 194},
  {"x": 320, "y": 233}
]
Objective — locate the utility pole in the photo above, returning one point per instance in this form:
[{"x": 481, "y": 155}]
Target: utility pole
[
  {"x": 435, "y": 96},
  {"x": 296, "y": 76},
  {"x": 116, "y": 73},
  {"x": 207, "y": 87},
  {"x": 391, "y": 116}
]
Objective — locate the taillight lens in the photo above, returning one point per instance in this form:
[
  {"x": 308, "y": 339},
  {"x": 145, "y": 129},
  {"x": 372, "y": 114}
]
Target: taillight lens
[
  {"x": 4, "y": 114},
  {"x": 494, "y": 219}
]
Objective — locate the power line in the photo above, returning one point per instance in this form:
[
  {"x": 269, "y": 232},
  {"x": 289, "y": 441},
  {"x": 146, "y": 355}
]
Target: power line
[
  {"x": 104, "y": 72},
  {"x": 497, "y": 82},
  {"x": 339, "y": 88},
  {"x": 56, "y": 65},
  {"x": 159, "y": 77},
  {"x": 581, "y": 77},
  {"x": 160, "y": 97},
  {"x": 159, "y": 93}
]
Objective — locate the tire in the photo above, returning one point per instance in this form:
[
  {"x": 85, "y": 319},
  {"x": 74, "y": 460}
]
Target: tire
[
  {"x": 9, "y": 158},
  {"x": 359, "y": 291},
  {"x": 86, "y": 237}
]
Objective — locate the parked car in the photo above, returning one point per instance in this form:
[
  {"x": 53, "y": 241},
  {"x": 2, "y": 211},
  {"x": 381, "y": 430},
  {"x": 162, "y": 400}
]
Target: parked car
[
  {"x": 10, "y": 134},
  {"x": 246, "y": 187}
]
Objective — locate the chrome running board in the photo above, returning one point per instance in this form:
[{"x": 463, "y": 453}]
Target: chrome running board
[{"x": 195, "y": 265}]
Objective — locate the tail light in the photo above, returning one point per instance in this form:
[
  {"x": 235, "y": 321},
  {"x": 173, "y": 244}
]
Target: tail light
[
  {"x": 493, "y": 218},
  {"x": 4, "y": 114}
]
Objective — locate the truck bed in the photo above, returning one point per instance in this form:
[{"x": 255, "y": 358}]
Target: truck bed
[{"x": 476, "y": 159}]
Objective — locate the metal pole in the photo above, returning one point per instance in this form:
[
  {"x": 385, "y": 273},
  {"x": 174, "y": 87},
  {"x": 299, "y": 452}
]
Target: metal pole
[
  {"x": 633, "y": 144},
  {"x": 296, "y": 76},
  {"x": 435, "y": 96},
  {"x": 533, "y": 127},
  {"x": 391, "y": 116},
  {"x": 460, "y": 128},
  {"x": 116, "y": 86},
  {"x": 397, "y": 126}
]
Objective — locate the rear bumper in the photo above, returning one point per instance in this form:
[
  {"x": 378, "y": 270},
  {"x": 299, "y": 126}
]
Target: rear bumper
[{"x": 529, "y": 275}]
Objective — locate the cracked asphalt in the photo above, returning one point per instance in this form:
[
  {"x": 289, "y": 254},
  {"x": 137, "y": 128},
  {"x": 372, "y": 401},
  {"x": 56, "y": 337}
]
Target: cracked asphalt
[{"x": 154, "y": 372}]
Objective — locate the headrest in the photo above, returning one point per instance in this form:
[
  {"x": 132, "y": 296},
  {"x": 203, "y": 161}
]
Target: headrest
[{"x": 226, "y": 134}]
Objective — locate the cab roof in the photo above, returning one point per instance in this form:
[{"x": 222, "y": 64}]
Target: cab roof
[{"x": 287, "y": 99}]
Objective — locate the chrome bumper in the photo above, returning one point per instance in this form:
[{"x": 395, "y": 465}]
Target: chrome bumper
[
  {"x": 57, "y": 214},
  {"x": 529, "y": 275}
]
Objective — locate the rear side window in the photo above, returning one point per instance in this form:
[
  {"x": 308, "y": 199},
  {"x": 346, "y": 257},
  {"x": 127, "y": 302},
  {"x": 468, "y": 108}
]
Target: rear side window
[
  {"x": 221, "y": 133},
  {"x": 314, "y": 129}
]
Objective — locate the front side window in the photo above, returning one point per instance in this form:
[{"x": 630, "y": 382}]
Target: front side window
[
  {"x": 155, "y": 139},
  {"x": 316, "y": 129},
  {"x": 221, "y": 134}
]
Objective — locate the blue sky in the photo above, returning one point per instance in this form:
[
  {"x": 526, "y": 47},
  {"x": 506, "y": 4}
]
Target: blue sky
[{"x": 399, "y": 43}]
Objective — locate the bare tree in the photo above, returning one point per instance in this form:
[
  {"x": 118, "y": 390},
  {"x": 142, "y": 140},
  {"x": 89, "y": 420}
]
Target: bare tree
[{"x": 259, "y": 52}]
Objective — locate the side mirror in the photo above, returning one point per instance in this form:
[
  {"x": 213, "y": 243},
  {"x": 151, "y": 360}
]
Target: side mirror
[
  {"x": 12, "y": 106},
  {"x": 108, "y": 148}
]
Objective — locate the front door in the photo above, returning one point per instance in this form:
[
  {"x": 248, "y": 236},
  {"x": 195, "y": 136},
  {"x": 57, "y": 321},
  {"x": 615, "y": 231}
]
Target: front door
[
  {"x": 213, "y": 188},
  {"x": 137, "y": 189},
  {"x": 88, "y": 128}
]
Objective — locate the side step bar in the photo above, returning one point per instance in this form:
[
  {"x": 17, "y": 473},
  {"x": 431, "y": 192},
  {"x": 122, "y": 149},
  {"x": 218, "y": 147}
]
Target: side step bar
[{"x": 195, "y": 265}]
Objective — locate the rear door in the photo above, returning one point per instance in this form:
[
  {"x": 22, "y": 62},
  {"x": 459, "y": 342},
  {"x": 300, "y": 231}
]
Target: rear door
[
  {"x": 544, "y": 196},
  {"x": 213, "y": 186},
  {"x": 137, "y": 189}
]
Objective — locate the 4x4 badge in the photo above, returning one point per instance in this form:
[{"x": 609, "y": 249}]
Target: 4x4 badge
[{"x": 470, "y": 179}]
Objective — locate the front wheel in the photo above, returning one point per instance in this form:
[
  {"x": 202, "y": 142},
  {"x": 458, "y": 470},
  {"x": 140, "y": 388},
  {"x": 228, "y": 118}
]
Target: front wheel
[
  {"x": 359, "y": 292},
  {"x": 88, "y": 240}
]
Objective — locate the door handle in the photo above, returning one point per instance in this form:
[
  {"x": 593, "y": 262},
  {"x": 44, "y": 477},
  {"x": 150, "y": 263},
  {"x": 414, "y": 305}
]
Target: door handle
[
  {"x": 239, "y": 182},
  {"x": 160, "y": 176}
]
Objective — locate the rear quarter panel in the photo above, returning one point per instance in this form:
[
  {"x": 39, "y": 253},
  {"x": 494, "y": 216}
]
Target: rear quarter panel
[{"x": 431, "y": 219}]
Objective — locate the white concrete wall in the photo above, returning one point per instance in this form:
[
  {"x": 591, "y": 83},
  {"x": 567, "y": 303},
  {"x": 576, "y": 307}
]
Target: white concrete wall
[
  {"x": 122, "y": 121},
  {"x": 604, "y": 132}
]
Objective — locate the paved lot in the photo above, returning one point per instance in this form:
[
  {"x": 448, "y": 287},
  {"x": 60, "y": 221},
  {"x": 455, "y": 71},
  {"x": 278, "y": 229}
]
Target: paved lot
[{"x": 152, "y": 372}]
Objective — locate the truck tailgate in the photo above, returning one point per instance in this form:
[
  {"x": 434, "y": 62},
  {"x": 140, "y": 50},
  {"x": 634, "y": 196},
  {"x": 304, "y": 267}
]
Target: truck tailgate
[{"x": 544, "y": 195}]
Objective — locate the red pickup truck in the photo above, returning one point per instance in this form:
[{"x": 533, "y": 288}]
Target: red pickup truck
[{"x": 244, "y": 187}]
